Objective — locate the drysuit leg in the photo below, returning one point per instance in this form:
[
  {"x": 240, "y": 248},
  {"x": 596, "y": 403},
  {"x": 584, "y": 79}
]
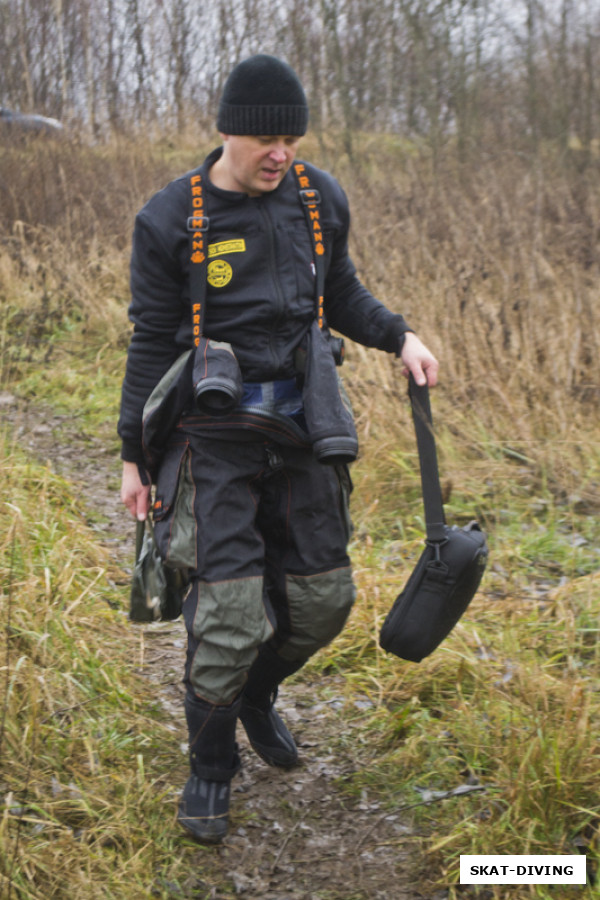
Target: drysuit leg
[
  {"x": 304, "y": 520},
  {"x": 204, "y": 804}
]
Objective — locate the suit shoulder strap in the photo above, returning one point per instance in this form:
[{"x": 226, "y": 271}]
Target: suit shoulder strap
[
  {"x": 310, "y": 199},
  {"x": 197, "y": 227}
]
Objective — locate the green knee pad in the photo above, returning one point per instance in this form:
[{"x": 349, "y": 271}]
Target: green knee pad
[
  {"x": 230, "y": 624},
  {"x": 318, "y": 606}
]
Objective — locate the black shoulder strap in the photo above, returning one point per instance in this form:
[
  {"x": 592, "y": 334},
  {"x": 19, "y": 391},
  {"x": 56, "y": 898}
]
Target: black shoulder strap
[
  {"x": 197, "y": 226},
  {"x": 430, "y": 480},
  {"x": 311, "y": 200}
]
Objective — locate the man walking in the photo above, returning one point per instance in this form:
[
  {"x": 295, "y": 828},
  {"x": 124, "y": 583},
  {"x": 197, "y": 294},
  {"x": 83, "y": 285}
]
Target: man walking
[{"x": 256, "y": 468}]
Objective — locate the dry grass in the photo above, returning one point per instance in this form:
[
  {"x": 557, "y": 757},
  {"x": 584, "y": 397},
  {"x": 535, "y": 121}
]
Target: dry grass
[{"x": 497, "y": 268}]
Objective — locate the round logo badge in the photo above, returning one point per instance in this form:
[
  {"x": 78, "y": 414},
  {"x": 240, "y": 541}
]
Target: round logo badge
[{"x": 219, "y": 273}]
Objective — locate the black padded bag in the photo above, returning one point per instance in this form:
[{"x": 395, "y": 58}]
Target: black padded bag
[{"x": 450, "y": 568}]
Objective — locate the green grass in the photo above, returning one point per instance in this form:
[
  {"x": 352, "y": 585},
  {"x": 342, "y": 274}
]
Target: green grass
[
  {"x": 509, "y": 702},
  {"x": 80, "y": 385},
  {"x": 85, "y": 756}
]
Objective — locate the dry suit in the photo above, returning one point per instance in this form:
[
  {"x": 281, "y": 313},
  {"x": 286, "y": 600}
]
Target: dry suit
[{"x": 271, "y": 578}]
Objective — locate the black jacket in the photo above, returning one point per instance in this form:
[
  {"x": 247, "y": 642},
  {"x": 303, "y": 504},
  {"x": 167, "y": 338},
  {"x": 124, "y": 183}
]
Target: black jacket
[{"x": 261, "y": 291}]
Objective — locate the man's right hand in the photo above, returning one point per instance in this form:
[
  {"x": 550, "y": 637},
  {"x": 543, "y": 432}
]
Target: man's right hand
[{"x": 134, "y": 493}]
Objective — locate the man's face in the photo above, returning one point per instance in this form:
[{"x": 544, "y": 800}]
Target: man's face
[{"x": 255, "y": 165}]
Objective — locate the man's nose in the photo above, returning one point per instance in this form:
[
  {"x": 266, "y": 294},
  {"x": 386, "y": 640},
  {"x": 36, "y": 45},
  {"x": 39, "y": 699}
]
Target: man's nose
[{"x": 277, "y": 153}]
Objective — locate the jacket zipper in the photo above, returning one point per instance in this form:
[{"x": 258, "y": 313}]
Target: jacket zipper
[{"x": 279, "y": 296}]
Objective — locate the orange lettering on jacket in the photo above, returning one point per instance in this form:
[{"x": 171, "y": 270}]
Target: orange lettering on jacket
[{"x": 198, "y": 256}]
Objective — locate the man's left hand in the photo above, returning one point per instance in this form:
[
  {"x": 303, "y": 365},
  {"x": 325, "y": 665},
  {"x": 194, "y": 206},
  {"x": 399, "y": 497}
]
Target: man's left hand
[{"x": 419, "y": 361}]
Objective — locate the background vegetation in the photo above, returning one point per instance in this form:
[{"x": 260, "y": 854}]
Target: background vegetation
[
  {"x": 484, "y": 230},
  {"x": 511, "y": 73}
]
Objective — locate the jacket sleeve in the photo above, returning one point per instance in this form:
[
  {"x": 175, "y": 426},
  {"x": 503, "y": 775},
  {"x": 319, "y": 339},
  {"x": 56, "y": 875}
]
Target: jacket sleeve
[
  {"x": 350, "y": 308},
  {"x": 158, "y": 311}
]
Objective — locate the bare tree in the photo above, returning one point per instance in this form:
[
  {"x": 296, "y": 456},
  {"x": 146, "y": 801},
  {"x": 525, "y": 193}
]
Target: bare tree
[{"x": 458, "y": 71}]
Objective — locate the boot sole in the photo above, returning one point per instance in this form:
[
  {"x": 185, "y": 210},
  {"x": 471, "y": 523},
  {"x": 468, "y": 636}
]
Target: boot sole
[{"x": 203, "y": 837}]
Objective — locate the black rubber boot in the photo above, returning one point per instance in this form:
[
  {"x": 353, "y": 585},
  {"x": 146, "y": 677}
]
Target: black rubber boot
[
  {"x": 266, "y": 731},
  {"x": 204, "y": 804}
]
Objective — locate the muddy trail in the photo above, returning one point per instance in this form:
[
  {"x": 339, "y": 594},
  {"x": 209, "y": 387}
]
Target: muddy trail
[{"x": 293, "y": 834}]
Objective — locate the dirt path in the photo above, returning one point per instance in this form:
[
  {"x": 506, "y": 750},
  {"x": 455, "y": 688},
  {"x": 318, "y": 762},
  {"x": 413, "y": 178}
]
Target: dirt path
[{"x": 293, "y": 836}]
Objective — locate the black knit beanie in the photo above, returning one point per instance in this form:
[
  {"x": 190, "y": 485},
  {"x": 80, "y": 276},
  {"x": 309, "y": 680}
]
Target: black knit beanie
[{"x": 263, "y": 95}]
